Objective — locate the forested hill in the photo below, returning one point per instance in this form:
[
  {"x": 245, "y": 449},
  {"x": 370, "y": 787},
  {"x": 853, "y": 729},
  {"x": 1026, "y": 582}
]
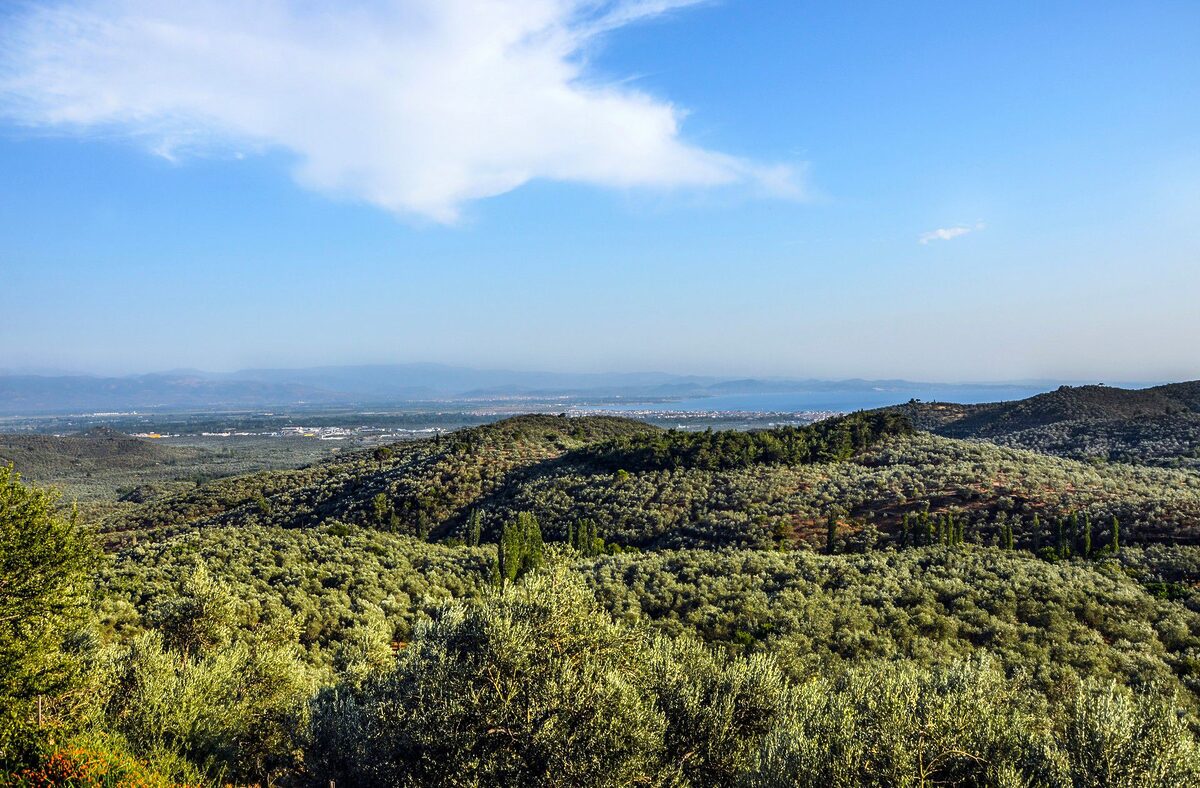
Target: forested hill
[
  {"x": 648, "y": 488},
  {"x": 1158, "y": 425}
]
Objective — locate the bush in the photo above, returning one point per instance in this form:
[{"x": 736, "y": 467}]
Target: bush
[
  {"x": 235, "y": 712},
  {"x": 887, "y": 725},
  {"x": 536, "y": 686},
  {"x": 101, "y": 760},
  {"x": 967, "y": 724},
  {"x": 1116, "y": 738}
]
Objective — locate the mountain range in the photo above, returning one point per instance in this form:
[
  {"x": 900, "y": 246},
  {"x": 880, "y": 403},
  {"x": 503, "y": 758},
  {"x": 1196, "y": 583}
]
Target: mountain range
[{"x": 395, "y": 384}]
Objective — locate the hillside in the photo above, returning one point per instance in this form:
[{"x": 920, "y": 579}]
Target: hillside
[
  {"x": 1157, "y": 426},
  {"x": 92, "y": 465},
  {"x": 762, "y": 598},
  {"x": 427, "y": 483},
  {"x": 101, "y": 466},
  {"x": 649, "y": 488}
]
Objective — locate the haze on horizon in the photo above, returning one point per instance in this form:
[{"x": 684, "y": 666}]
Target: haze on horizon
[{"x": 926, "y": 191}]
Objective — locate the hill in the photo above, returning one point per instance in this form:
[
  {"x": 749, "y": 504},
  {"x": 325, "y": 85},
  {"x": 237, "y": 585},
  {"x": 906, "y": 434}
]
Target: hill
[
  {"x": 649, "y": 488},
  {"x": 101, "y": 466},
  {"x": 1158, "y": 425}
]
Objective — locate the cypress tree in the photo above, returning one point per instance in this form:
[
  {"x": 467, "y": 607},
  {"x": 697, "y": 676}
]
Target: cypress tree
[
  {"x": 533, "y": 554},
  {"x": 520, "y": 549},
  {"x": 1037, "y": 533},
  {"x": 474, "y": 529},
  {"x": 584, "y": 538},
  {"x": 1115, "y": 543},
  {"x": 1087, "y": 536},
  {"x": 831, "y": 526},
  {"x": 595, "y": 542},
  {"x": 508, "y": 556}
]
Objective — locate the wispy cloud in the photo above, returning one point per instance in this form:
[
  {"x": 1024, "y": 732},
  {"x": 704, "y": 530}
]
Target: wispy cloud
[
  {"x": 416, "y": 106},
  {"x": 949, "y": 233}
]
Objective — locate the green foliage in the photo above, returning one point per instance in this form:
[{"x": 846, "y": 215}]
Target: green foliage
[
  {"x": 584, "y": 537},
  {"x": 899, "y": 725},
  {"x": 474, "y": 529},
  {"x": 100, "y": 466},
  {"x": 381, "y": 454},
  {"x": 200, "y": 618},
  {"x": 484, "y": 477},
  {"x": 381, "y": 508},
  {"x": 831, "y": 440},
  {"x": 236, "y": 711},
  {"x": 277, "y": 628},
  {"x": 1155, "y": 426},
  {"x": 96, "y": 758},
  {"x": 323, "y": 582},
  {"x": 535, "y": 686},
  {"x": 520, "y": 549},
  {"x": 538, "y": 687},
  {"x": 1059, "y": 623},
  {"x": 1113, "y": 737},
  {"x": 45, "y": 560},
  {"x": 968, "y": 724}
]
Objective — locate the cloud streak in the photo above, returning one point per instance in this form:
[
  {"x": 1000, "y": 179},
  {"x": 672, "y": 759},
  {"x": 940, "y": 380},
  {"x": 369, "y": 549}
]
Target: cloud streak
[
  {"x": 948, "y": 233},
  {"x": 416, "y": 106}
]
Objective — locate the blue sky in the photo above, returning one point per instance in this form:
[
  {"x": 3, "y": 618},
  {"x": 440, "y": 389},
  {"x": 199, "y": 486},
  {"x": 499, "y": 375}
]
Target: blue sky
[{"x": 735, "y": 187}]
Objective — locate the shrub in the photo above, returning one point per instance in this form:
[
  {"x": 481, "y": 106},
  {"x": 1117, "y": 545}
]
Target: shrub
[{"x": 536, "y": 686}]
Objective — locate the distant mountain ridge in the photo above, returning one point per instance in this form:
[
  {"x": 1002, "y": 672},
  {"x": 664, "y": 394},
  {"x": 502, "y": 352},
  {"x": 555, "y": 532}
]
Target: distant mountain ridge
[
  {"x": 386, "y": 384},
  {"x": 36, "y": 394}
]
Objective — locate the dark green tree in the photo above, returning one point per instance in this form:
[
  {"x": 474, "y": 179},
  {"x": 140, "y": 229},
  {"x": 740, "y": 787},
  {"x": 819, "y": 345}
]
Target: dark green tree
[
  {"x": 474, "y": 528},
  {"x": 45, "y": 561},
  {"x": 1114, "y": 544},
  {"x": 521, "y": 549},
  {"x": 584, "y": 537},
  {"x": 382, "y": 454},
  {"x": 381, "y": 508}
]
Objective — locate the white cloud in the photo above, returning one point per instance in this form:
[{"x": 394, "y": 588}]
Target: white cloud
[
  {"x": 948, "y": 233},
  {"x": 416, "y": 106}
]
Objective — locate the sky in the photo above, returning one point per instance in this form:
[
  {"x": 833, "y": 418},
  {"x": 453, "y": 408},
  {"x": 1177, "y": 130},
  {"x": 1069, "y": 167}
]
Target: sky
[{"x": 940, "y": 191}]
